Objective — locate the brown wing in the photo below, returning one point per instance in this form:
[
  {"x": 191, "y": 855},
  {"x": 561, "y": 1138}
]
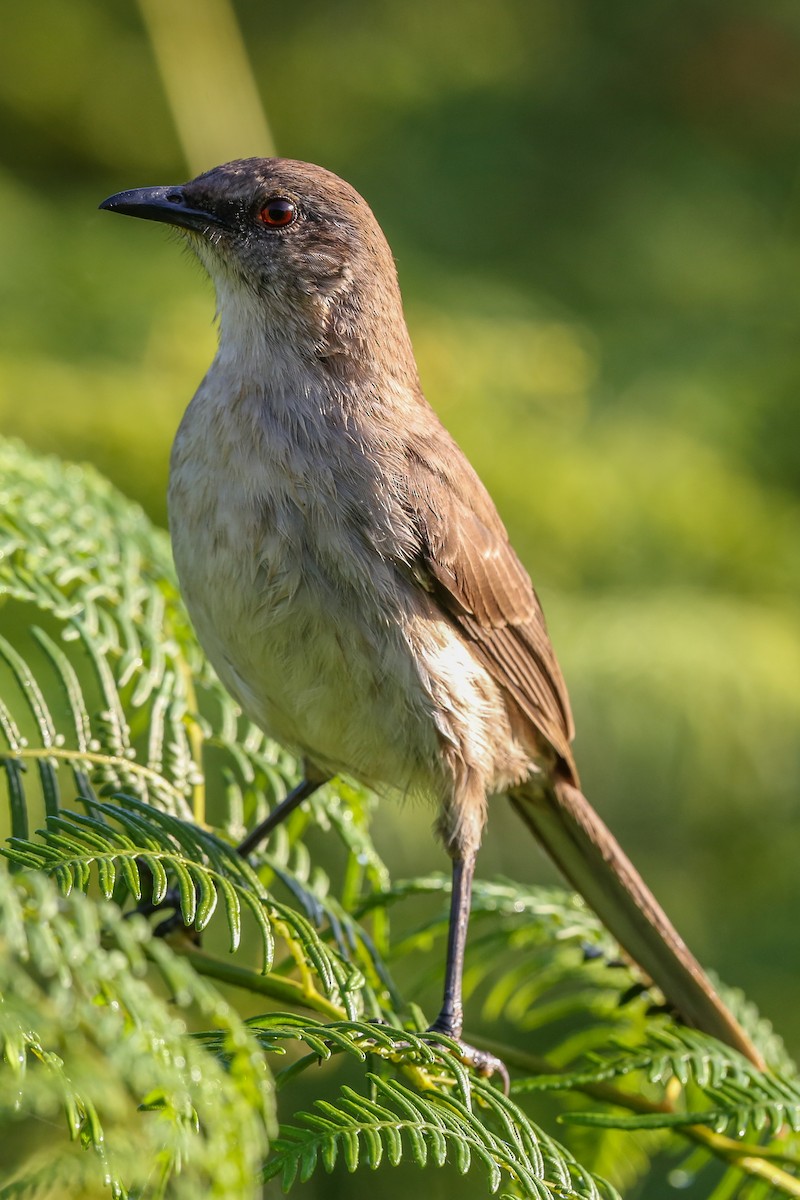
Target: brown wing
[{"x": 466, "y": 561}]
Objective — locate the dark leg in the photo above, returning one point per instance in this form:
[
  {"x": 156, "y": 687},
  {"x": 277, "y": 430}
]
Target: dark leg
[
  {"x": 450, "y": 1020},
  {"x": 304, "y": 789}
]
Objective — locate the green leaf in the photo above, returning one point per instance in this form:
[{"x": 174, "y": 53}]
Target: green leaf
[
  {"x": 432, "y": 1122},
  {"x": 104, "y": 1042}
]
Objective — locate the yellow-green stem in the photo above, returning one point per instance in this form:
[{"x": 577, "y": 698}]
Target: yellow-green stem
[
  {"x": 275, "y": 986},
  {"x": 92, "y": 756}
]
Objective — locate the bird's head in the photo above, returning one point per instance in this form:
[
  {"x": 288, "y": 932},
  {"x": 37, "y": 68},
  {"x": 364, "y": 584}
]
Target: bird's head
[{"x": 289, "y": 243}]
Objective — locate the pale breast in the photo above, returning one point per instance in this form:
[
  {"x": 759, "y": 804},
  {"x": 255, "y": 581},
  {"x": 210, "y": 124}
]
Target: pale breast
[{"x": 308, "y": 631}]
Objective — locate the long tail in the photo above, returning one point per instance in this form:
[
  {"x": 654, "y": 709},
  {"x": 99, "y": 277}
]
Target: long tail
[{"x": 587, "y": 853}]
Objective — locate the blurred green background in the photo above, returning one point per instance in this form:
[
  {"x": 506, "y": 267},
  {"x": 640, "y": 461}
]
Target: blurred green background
[{"x": 595, "y": 212}]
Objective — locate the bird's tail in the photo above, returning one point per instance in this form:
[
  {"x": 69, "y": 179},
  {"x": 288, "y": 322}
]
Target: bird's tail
[{"x": 589, "y": 856}]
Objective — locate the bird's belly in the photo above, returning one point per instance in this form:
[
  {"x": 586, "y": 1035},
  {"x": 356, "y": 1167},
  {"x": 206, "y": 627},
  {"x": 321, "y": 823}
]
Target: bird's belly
[
  {"x": 314, "y": 662},
  {"x": 315, "y": 687}
]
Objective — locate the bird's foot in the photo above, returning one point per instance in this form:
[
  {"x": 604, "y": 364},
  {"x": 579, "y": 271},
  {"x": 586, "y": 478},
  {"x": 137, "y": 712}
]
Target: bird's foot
[{"x": 482, "y": 1061}]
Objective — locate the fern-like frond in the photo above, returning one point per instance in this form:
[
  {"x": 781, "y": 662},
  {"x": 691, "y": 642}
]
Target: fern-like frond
[
  {"x": 435, "y": 1055},
  {"x": 84, "y": 1034},
  {"x": 481, "y": 1128},
  {"x": 95, "y": 748},
  {"x": 149, "y": 851},
  {"x": 78, "y": 559},
  {"x": 675, "y": 1053},
  {"x": 740, "y": 1096}
]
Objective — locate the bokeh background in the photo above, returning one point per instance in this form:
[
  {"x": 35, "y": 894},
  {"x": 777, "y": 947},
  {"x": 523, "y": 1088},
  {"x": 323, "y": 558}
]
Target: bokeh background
[{"x": 595, "y": 210}]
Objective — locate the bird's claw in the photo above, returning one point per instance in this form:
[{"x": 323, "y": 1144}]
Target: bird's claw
[
  {"x": 481, "y": 1061},
  {"x": 485, "y": 1064}
]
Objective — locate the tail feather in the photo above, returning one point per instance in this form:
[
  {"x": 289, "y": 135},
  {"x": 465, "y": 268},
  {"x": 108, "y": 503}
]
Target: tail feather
[{"x": 589, "y": 856}]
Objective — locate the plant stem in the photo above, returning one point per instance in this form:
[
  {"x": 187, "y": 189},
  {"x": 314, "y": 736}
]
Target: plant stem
[
  {"x": 92, "y": 756},
  {"x": 208, "y": 80},
  {"x": 278, "y": 988}
]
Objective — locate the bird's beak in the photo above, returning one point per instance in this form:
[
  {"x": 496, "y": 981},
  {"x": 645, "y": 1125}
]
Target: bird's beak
[{"x": 165, "y": 204}]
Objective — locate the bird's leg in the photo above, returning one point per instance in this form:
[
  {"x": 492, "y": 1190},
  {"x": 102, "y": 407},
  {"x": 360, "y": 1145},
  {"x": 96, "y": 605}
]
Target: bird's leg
[
  {"x": 305, "y": 788},
  {"x": 450, "y": 1020}
]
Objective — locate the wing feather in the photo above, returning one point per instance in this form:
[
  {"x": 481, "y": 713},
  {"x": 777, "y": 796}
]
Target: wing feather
[{"x": 465, "y": 559}]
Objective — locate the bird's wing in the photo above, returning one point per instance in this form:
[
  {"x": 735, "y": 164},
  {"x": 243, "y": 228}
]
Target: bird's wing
[{"x": 465, "y": 560}]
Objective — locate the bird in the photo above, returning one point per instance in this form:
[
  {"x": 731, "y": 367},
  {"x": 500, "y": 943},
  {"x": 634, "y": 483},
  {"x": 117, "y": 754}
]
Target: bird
[{"x": 348, "y": 575}]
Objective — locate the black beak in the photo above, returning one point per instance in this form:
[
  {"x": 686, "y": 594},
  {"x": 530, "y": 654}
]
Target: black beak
[{"x": 165, "y": 204}]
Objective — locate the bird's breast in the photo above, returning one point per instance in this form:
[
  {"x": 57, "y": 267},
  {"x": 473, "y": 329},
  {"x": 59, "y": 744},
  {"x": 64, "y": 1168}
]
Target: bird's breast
[{"x": 294, "y": 602}]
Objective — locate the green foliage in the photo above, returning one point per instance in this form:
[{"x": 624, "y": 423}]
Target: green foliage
[
  {"x": 742, "y": 1097},
  {"x": 120, "y": 742},
  {"x": 479, "y": 1126},
  {"x": 153, "y": 848},
  {"x": 84, "y": 1031}
]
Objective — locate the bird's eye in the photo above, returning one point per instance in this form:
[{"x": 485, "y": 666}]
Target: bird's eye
[{"x": 277, "y": 213}]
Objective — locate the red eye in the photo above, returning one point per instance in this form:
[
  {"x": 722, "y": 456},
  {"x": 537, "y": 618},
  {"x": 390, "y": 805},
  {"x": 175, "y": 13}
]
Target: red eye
[{"x": 278, "y": 213}]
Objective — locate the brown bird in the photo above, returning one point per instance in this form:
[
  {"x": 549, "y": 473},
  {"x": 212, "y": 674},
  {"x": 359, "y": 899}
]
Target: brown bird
[{"x": 347, "y": 572}]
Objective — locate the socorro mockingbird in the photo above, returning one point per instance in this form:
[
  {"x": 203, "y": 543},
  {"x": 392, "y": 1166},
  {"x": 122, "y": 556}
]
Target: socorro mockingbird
[{"x": 347, "y": 572}]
